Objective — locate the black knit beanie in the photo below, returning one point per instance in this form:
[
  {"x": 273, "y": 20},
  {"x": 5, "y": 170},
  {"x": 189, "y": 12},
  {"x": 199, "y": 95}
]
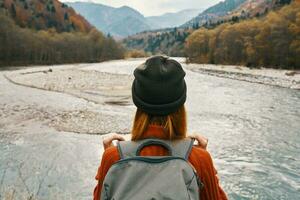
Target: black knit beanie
[{"x": 159, "y": 87}]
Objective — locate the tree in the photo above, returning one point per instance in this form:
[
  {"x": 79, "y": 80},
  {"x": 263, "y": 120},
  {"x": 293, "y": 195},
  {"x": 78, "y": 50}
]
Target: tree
[
  {"x": 25, "y": 5},
  {"x": 66, "y": 16},
  {"x": 272, "y": 41},
  {"x": 53, "y": 10},
  {"x": 21, "y": 46},
  {"x": 13, "y": 10}
]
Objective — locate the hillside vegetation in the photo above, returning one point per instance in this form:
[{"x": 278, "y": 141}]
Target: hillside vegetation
[
  {"x": 216, "y": 11},
  {"x": 170, "y": 41},
  {"x": 45, "y": 14},
  {"x": 271, "y": 41},
  {"x": 256, "y": 33},
  {"x": 49, "y": 32}
]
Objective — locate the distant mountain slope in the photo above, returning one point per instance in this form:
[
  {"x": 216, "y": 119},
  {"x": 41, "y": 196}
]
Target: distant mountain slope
[
  {"x": 218, "y": 10},
  {"x": 97, "y": 14},
  {"x": 45, "y": 14},
  {"x": 252, "y": 8},
  {"x": 246, "y": 10},
  {"x": 125, "y": 21},
  {"x": 119, "y": 22},
  {"x": 169, "y": 20},
  {"x": 165, "y": 41},
  {"x": 171, "y": 41}
]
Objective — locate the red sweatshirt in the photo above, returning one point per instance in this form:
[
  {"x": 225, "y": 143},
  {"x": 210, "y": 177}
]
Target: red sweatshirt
[{"x": 199, "y": 158}]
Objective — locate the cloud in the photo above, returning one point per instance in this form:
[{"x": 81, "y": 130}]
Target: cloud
[{"x": 155, "y": 7}]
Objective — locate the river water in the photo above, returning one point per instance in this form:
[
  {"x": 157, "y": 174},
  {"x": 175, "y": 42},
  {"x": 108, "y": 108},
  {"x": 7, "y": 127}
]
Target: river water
[{"x": 253, "y": 131}]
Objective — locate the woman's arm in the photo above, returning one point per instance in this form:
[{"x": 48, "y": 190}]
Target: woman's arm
[
  {"x": 110, "y": 156},
  {"x": 203, "y": 164}
]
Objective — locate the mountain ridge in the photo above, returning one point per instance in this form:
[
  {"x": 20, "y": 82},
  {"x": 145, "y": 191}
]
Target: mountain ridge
[
  {"x": 217, "y": 10},
  {"x": 172, "y": 19},
  {"x": 108, "y": 19},
  {"x": 171, "y": 41}
]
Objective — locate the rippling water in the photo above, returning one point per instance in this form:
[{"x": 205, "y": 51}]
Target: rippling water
[{"x": 253, "y": 131}]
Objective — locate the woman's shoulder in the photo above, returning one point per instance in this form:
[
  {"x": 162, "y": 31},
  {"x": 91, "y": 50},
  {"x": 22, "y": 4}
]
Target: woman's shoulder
[
  {"x": 109, "y": 157},
  {"x": 197, "y": 154},
  {"x": 111, "y": 154},
  {"x": 200, "y": 158},
  {"x": 200, "y": 152}
]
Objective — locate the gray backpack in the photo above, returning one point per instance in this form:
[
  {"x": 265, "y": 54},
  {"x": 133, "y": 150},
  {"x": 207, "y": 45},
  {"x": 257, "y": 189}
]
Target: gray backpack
[{"x": 136, "y": 177}]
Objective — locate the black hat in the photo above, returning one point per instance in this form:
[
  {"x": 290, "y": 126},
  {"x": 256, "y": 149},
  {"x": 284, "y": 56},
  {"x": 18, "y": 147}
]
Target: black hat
[{"x": 159, "y": 87}]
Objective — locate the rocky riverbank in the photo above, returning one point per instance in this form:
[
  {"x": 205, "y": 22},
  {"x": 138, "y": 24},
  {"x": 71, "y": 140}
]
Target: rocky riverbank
[
  {"x": 274, "y": 77},
  {"x": 109, "y": 88},
  {"x": 107, "y": 94}
]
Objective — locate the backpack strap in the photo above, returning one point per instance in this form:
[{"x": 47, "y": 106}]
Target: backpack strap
[{"x": 177, "y": 148}]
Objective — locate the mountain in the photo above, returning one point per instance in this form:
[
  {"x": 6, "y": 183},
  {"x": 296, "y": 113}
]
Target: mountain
[
  {"x": 215, "y": 16},
  {"x": 256, "y": 8},
  {"x": 171, "y": 41},
  {"x": 169, "y": 20},
  {"x": 218, "y": 10},
  {"x": 97, "y": 14},
  {"x": 45, "y": 14},
  {"x": 125, "y": 21},
  {"x": 119, "y": 22}
]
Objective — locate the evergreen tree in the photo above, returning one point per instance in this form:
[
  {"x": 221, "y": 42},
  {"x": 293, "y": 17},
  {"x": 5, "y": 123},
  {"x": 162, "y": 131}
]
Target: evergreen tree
[{"x": 13, "y": 10}]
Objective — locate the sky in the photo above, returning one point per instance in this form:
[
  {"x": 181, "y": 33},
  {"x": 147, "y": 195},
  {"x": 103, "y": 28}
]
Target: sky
[{"x": 155, "y": 7}]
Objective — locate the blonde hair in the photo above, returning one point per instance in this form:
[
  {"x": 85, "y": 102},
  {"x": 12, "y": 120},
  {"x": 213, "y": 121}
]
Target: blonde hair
[{"x": 174, "y": 124}]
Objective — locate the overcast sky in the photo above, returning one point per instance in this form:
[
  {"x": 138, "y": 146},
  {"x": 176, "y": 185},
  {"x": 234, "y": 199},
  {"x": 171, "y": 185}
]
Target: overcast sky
[{"x": 155, "y": 7}]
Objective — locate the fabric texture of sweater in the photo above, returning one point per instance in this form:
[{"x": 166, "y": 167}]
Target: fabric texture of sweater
[{"x": 199, "y": 158}]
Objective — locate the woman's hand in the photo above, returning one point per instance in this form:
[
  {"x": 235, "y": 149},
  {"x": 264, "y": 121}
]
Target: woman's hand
[
  {"x": 202, "y": 141},
  {"x": 107, "y": 140}
]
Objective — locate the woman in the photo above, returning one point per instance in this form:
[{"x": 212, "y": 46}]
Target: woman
[{"x": 159, "y": 92}]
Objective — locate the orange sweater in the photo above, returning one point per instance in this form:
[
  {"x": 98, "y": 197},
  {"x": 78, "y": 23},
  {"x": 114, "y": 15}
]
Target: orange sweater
[{"x": 199, "y": 158}]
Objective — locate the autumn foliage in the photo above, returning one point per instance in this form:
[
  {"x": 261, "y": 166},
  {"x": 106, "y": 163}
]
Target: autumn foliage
[
  {"x": 45, "y": 14},
  {"x": 270, "y": 41},
  {"x": 67, "y": 39}
]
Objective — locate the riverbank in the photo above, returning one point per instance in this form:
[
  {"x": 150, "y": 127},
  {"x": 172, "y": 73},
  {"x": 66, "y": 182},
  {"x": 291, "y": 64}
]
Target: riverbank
[
  {"x": 274, "y": 77},
  {"x": 107, "y": 94},
  {"x": 108, "y": 85}
]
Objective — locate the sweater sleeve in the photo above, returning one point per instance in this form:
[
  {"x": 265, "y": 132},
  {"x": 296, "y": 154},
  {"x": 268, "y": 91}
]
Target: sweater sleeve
[
  {"x": 110, "y": 156},
  {"x": 202, "y": 162}
]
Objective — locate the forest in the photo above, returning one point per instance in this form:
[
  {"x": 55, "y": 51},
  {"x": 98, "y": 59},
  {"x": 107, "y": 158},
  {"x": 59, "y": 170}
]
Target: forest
[
  {"x": 55, "y": 34},
  {"x": 269, "y": 41}
]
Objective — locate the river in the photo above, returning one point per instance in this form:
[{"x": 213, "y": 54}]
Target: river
[{"x": 253, "y": 131}]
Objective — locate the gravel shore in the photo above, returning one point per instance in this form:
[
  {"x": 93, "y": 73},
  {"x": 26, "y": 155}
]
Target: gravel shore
[
  {"x": 274, "y": 77},
  {"x": 109, "y": 89},
  {"x": 109, "y": 93}
]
